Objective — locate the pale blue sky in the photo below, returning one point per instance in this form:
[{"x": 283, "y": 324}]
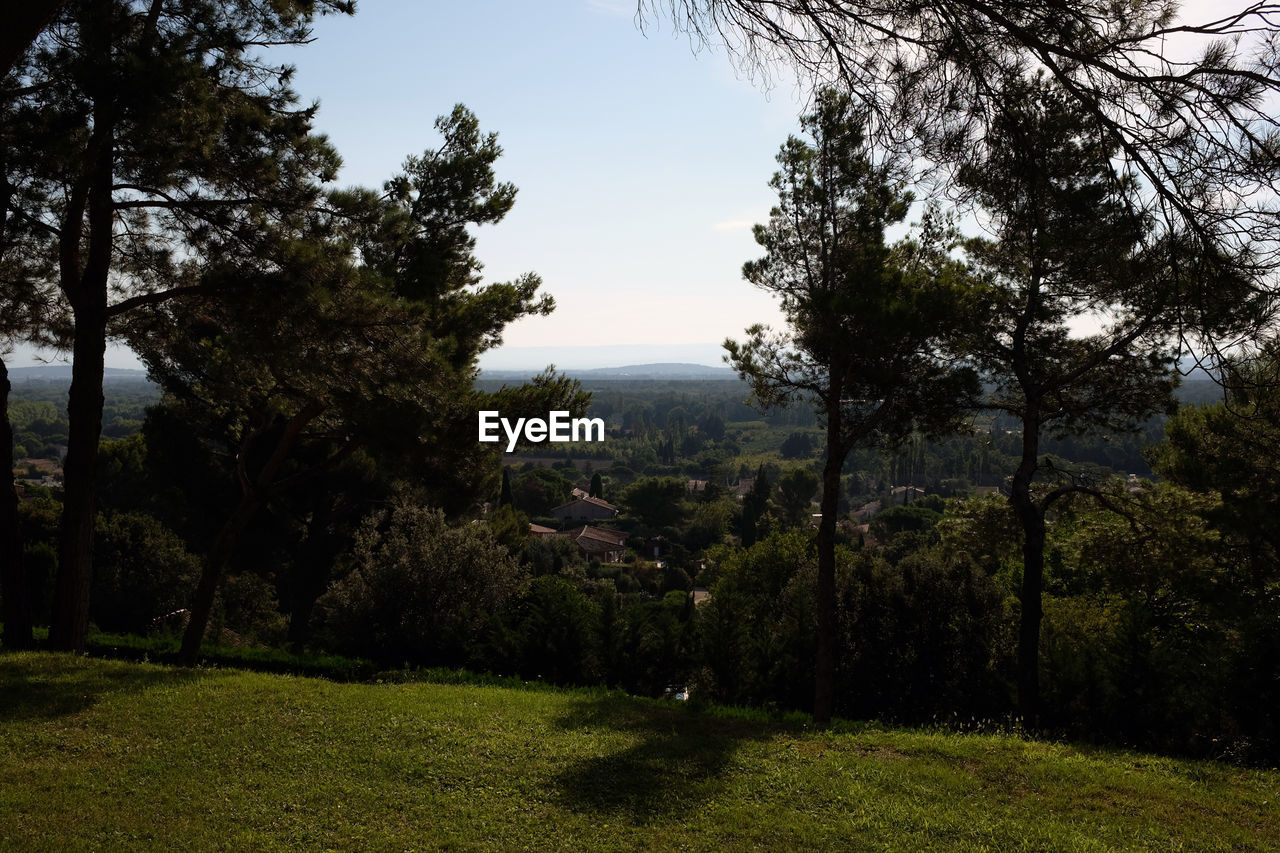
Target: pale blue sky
[{"x": 640, "y": 165}]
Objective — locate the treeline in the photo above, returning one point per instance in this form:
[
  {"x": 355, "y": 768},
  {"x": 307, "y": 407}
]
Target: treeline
[
  {"x": 1159, "y": 625},
  {"x": 38, "y": 414}
]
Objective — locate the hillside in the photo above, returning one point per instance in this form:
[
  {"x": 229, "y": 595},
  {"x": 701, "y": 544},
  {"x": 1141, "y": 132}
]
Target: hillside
[{"x": 109, "y": 755}]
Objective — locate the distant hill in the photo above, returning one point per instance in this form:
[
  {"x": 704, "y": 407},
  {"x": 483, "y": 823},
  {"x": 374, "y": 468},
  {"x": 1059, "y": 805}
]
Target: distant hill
[
  {"x": 584, "y": 357},
  {"x": 62, "y": 373},
  {"x": 660, "y": 370}
]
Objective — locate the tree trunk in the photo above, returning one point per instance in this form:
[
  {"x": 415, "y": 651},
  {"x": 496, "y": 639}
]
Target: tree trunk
[
  {"x": 824, "y": 671},
  {"x": 255, "y": 497},
  {"x": 1031, "y": 519},
  {"x": 13, "y": 582},
  {"x": 211, "y": 572},
  {"x": 310, "y": 575},
  {"x": 70, "y": 629},
  {"x": 86, "y": 291}
]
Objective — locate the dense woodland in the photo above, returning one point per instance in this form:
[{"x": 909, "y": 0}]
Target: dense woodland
[
  {"x": 930, "y": 498},
  {"x": 1137, "y": 614}
]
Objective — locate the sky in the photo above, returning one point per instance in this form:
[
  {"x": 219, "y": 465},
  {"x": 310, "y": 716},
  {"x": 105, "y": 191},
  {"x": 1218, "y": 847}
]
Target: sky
[
  {"x": 641, "y": 164},
  {"x": 641, "y": 160}
]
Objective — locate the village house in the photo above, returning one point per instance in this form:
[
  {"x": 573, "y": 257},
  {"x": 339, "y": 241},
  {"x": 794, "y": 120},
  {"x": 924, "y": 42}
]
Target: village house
[
  {"x": 607, "y": 546},
  {"x": 867, "y": 511},
  {"x": 905, "y": 494},
  {"x": 585, "y": 509}
]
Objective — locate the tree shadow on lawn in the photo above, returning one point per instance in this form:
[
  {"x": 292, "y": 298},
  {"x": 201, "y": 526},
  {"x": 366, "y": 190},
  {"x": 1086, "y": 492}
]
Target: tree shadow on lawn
[
  {"x": 676, "y": 765},
  {"x": 45, "y": 686}
]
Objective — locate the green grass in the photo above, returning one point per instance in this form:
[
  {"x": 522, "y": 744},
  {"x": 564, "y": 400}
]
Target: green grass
[{"x": 111, "y": 755}]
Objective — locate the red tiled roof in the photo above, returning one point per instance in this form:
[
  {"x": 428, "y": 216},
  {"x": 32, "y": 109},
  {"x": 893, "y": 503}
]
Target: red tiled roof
[
  {"x": 597, "y": 534},
  {"x": 600, "y": 502}
]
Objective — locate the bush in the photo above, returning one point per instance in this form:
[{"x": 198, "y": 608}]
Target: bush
[
  {"x": 142, "y": 571},
  {"x": 418, "y": 590},
  {"x": 551, "y": 633}
]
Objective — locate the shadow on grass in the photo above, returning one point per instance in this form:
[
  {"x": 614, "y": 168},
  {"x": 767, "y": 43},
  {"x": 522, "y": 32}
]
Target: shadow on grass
[
  {"x": 676, "y": 764},
  {"x": 46, "y": 685}
]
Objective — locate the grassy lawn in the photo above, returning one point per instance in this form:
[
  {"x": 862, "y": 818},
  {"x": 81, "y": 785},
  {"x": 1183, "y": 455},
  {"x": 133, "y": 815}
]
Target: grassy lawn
[{"x": 108, "y": 755}]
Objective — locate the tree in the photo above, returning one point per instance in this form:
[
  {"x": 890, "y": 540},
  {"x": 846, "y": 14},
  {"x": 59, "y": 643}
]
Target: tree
[
  {"x": 597, "y": 486},
  {"x": 798, "y": 445},
  {"x": 1227, "y": 449},
  {"x": 159, "y": 140},
  {"x": 504, "y": 497},
  {"x": 26, "y": 22},
  {"x": 419, "y": 590},
  {"x": 1225, "y": 454},
  {"x": 1071, "y": 241},
  {"x": 795, "y": 489},
  {"x": 29, "y": 311},
  {"x": 360, "y": 332},
  {"x": 540, "y": 490},
  {"x": 656, "y": 501},
  {"x": 1186, "y": 106},
  {"x": 867, "y": 320}
]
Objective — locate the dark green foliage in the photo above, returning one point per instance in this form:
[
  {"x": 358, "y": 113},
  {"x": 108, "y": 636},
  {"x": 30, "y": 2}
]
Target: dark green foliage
[
  {"x": 552, "y": 555},
  {"x": 711, "y": 426},
  {"x": 505, "y": 497},
  {"x": 798, "y": 445},
  {"x": 757, "y": 630},
  {"x": 657, "y": 645},
  {"x": 142, "y": 573},
  {"x": 552, "y": 633},
  {"x": 418, "y": 590},
  {"x": 926, "y": 638},
  {"x": 537, "y": 491},
  {"x": 796, "y": 490},
  {"x": 919, "y": 640},
  {"x": 656, "y": 501},
  {"x": 510, "y": 527},
  {"x": 896, "y": 519}
]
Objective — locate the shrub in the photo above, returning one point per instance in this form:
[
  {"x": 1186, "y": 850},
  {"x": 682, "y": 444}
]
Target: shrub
[
  {"x": 418, "y": 590},
  {"x": 142, "y": 571}
]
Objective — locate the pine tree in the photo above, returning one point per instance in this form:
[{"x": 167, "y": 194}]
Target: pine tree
[
  {"x": 159, "y": 139},
  {"x": 867, "y": 320}
]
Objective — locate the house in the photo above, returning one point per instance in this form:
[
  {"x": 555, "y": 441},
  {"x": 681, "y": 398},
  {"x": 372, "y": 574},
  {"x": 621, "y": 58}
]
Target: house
[
  {"x": 906, "y": 494},
  {"x": 539, "y": 531},
  {"x": 578, "y": 493},
  {"x": 745, "y": 485},
  {"x": 693, "y": 487},
  {"x": 867, "y": 511},
  {"x": 699, "y": 595},
  {"x": 608, "y": 546},
  {"x": 585, "y": 509}
]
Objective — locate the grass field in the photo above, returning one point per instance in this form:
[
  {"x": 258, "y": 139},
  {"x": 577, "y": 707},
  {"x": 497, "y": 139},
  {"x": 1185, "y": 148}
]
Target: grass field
[{"x": 108, "y": 755}]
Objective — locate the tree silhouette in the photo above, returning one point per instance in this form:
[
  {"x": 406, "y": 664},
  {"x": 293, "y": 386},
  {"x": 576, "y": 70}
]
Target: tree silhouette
[{"x": 867, "y": 320}]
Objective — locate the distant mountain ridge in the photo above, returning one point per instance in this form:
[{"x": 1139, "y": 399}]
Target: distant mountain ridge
[
  {"x": 657, "y": 370},
  {"x": 50, "y": 372}
]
